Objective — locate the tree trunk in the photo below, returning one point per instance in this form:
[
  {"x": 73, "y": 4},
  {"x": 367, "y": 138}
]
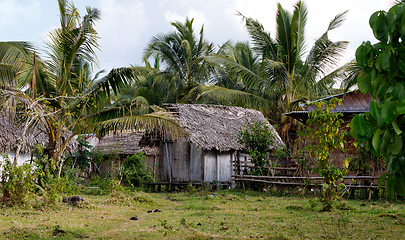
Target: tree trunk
[{"x": 21, "y": 142}]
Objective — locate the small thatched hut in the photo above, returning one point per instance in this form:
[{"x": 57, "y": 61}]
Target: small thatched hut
[
  {"x": 206, "y": 155},
  {"x": 11, "y": 135},
  {"x": 123, "y": 145}
]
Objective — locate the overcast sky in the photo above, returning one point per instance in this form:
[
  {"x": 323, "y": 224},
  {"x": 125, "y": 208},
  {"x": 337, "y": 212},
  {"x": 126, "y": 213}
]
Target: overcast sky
[{"x": 127, "y": 26}]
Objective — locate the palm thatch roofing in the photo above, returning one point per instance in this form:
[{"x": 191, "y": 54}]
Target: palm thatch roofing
[
  {"x": 11, "y": 135},
  {"x": 215, "y": 127},
  {"x": 125, "y": 143}
]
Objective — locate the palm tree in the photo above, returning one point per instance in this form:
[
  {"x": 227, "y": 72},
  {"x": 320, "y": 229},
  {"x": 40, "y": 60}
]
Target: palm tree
[
  {"x": 66, "y": 98},
  {"x": 182, "y": 55},
  {"x": 151, "y": 87},
  {"x": 13, "y": 59},
  {"x": 281, "y": 79}
]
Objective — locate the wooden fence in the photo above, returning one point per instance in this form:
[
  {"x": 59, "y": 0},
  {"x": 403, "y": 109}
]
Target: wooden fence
[{"x": 293, "y": 176}]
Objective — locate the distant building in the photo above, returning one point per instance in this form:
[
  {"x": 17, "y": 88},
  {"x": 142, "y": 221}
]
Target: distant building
[{"x": 211, "y": 147}]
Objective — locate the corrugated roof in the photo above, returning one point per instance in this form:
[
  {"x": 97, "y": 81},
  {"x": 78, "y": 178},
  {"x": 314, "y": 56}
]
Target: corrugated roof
[{"x": 353, "y": 102}]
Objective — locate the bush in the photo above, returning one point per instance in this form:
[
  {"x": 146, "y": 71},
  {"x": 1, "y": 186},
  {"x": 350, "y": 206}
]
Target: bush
[
  {"x": 257, "y": 139},
  {"x": 58, "y": 188},
  {"x": 17, "y": 183},
  {"x": 134, "y": 172}
]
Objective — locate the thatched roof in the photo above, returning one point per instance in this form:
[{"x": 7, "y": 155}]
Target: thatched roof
[
  {"x": 125, "y": 143},
  {"x": 215, "y": 127},
  {"x": 10, "y": 136}
]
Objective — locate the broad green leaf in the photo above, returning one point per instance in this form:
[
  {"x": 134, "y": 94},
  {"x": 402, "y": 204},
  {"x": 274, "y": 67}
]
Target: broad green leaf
[
  {"x": 370, "y": 62},
  {"x": 360, "y": 124},
  {"x": 381, "y": 179},
  {"x": 364, "y": 83},
  {"x": 401, "y": 107},
  {"x": 396, "y": 146},
  {"x": 389, "y": 186},
  {"x": 373, "y": 21},
  {"x": 391, "y": 22},
  {"x": 388, "y": 111},
  {"x": 383, "y": 61},
  {"x": 392, "y": 164},
  {"x": 399, "y": 185},
  {"x": 402, "y": 66},
  {"x": 377, "y": 140},
  {"x": 381, "y": 32},
  {"x": 396, "y": 128},
  {"x": 362, "y": 55},
  {"x": 378, "y": 61},
  {"x": 399, "y": 90},
  {"x": 375, "y": 111},
  {"x": 378, "y": 84},
  {"x": 386, "y": 138}
]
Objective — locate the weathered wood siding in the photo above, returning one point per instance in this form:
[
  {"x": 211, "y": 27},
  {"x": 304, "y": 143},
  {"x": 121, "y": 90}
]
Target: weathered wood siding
[
  {"x": 166, "y": 164},
  {"x": 210, "y": 168},
  {"x": 181, "y": 161},
  {"x": 196, "y": 163},
  {"x": 218, "y": 166},
  {"x": 224, "y": 166}
]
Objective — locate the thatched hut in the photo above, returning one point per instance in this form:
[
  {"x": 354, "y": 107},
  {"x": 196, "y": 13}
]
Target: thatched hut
[
  {"x": 122, "y": 145},
  {"x": 11, "y": 135},
  {"x": 206, "y": 155}
]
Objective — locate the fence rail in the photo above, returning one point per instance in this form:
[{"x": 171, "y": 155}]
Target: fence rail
[{"x": 293, "y": 176}]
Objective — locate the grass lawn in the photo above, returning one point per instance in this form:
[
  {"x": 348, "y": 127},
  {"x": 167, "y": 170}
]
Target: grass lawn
[{"x": 231, "y": 214}]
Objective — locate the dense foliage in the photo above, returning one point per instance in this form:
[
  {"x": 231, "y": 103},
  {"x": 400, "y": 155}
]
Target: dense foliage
[
  {"x": 383, "y": 74},
  {"x": 257, "y": 140},
  {"x": 134, "y": 172}
]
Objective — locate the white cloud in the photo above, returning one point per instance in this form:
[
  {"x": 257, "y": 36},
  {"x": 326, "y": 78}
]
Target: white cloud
[
  {"x": 123, "y": 24},
  {"x": 14, "y": 13},
  {"x": 199, "y": 18}
]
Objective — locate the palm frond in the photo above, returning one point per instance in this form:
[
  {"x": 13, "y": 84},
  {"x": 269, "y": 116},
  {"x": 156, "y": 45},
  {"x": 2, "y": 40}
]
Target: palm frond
[
  {"x": 14, "y": 57},
  {"x": 298, "y": 23},
  {"x": 337, "y": 20},
  {"x": 351, "y": 71},
  {"x": 162, "y": 121},
  {"x": 263, "y": 44},
  {"x": 284, "y": 38},
  {"x": 219, "y": 95}
]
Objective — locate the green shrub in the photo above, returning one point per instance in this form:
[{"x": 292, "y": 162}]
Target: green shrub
[
  {"x": 134, "y": 172},
  {"x": 17, "y": 183},
  {"x": 57, "y": 188},
  {"x": 257, "y": 139}
]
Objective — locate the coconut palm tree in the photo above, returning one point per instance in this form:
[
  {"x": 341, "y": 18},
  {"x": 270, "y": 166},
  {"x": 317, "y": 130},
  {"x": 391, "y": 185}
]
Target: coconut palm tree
[
  {"x": 151, "y": 87},
  {"x": 65, "y": 97},
  {"x": 282, "y": 78},
  {"x": 181, "y": 54}
]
